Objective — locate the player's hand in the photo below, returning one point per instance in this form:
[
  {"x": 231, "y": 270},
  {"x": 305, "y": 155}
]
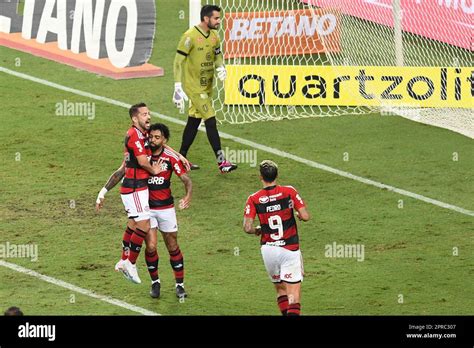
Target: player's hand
[
  {"x": 158, "y": 167},
  {"x": 258, "y": 230},
  {"x": 221, "y": 73},
  {"x": 184, "y": 203},
  {"x": 185, "y": 162},
  {"x": 99, "y": 203},
  {"x": 179, "y": 97},
  {"x": 298, "y": 216}
]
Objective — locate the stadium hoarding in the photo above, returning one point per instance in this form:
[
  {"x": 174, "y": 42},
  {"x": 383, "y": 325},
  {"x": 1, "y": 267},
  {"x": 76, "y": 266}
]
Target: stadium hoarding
[
  {"x": 350, "y": 86},
  {"x": 281, "y": 33},
  {"x": 111, "y": 38},
  {"x": 450, "y": 21}
]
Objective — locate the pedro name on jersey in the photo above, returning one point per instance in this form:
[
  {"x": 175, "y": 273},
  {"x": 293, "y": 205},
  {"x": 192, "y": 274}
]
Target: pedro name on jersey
[
  {"x": 274, "y": 206},
  {"x": 160, "y": 185}
]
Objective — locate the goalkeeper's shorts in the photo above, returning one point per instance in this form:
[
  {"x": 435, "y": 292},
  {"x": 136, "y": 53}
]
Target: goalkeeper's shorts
[{"x": 201, "y": 106}]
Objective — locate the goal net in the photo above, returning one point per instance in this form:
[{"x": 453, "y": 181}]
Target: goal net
[{"x": 422, "y": 33}]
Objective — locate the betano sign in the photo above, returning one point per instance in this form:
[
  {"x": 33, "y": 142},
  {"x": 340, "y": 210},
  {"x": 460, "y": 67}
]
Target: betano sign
[
  {"x": 281, "y": 33},
  {"x": 109, "y": 37},
  {"x": 349, "y": 86}
]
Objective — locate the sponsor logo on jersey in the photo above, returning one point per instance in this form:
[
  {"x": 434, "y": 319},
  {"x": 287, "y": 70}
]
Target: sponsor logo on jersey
[{"x": 263, "y": 199}]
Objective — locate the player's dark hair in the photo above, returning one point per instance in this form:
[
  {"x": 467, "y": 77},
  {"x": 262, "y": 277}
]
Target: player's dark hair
[
  {"x": 207, "y": 10},
  {"x": 134, "y": 109},
  {"x": 268, "y": 171},
  {"x": 165, "y": 131},
  {"x": 13, "y": 311}
]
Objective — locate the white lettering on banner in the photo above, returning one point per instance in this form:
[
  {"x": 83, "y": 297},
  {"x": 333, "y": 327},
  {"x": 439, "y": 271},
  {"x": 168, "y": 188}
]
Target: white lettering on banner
[
  {"x": 279, "y": 26},
  {"x": 117, "y": 58},
  {"x": 456, "y": 4},
  {"x": 92, "y": 27},
  {"x": 53, "y": 25}
]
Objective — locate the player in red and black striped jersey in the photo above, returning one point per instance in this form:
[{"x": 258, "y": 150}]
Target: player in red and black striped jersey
[
  {"x": 134, "y": 189},
  {"x": 162, "y": 211},
  {"x": 162, "y": 206},
  {"x": 275, "y": 206}
]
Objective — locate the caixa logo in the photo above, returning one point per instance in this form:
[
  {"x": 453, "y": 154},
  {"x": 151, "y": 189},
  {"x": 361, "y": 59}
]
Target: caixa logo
[{"x": 120, "y": 30}]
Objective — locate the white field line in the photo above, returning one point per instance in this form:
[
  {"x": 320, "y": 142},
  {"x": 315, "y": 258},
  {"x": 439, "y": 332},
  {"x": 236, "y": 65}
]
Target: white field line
[
  {"x": 251, "y": 144},
  {"x": 77, "y": 289}
]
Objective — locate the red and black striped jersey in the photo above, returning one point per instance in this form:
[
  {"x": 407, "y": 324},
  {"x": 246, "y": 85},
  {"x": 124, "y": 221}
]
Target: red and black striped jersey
[
  {"x": 274, "y": 206},
  {"x": 160, "y": 185},
  {"x": 136, "y": 144}
]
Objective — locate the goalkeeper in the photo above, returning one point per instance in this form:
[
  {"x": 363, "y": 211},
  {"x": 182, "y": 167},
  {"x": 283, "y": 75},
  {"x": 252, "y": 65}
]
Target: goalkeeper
[{"x": 198, "y": 55}]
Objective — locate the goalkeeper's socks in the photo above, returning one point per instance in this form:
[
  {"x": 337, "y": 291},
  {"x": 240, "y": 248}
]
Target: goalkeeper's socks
[
  {"x": 177, "y": 263},
  {"x": 294, "y": 309},
  {"x": 214, "y": 138},
  {"x": 126, "y": 242},
  {"x": 136, "y": 242},
  {"x": 283, "y": 304},
  {"x": 152, "y": 259},
  {"x": 189, "y": 134}
]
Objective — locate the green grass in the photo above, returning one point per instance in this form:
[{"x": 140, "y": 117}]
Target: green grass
[{"x": 408, "y": 251}]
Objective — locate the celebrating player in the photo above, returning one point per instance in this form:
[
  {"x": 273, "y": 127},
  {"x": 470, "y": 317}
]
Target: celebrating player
[
  {"x": 162, "y": 211},
  {"x": 198, "y": 55},
  {"x": 134, "y": 191},
  {"x": 281, "y": 254}
]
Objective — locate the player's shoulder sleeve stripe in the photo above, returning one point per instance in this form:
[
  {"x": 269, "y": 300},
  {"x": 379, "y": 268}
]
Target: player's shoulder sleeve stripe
[
  {"x": 182, "y": 53},
  {"x": 171, "y": 154}
]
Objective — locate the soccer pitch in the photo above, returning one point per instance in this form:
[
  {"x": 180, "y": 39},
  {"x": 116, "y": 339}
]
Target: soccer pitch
[{"x": 417, "y": 255}]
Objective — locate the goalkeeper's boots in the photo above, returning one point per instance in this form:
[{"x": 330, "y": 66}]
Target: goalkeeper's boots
[
  {"x": 130, "y": 272},
  {"x": 227, "y": 167},
  {"x": 180, "y": 292},
  {"x": 155, "y": 289}
]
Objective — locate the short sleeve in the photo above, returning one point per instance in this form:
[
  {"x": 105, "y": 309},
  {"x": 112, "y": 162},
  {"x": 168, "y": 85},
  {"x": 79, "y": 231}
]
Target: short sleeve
[
  {"x": 136, "y": 145},
  {"x": 296, "y": 198},
  {"x": 178, "y": 167},
  {"x": 250, "y": 211},
  {"x": 185, "y": 44}
]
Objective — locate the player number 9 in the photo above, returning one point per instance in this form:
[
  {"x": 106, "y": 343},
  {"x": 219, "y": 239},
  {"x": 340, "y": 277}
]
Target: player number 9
[{"x": 276, "y": 223}]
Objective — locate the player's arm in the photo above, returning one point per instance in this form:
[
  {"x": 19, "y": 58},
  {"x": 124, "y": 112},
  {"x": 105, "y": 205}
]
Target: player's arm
[
  {"x": 178, "y": 67},
  {"x": 183, "y": 159},
  {"x": 188, "y": 187},
  {"x": 153, "y": 169},
  {"x": 250, "y": 228},
  {"x": 301, "y": 211},
  {"x": 303, "y": 214},
  {"x": 114, "y": 179}
]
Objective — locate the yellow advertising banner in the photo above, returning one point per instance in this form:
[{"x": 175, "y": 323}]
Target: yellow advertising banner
[{"x": 350, "y": 86}]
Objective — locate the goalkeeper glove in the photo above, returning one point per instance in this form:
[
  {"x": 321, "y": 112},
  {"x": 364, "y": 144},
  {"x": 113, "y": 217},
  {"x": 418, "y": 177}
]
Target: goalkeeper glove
[
  {"x": 221, "y": 73},
  {"x": 179, "y": 97}
]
